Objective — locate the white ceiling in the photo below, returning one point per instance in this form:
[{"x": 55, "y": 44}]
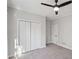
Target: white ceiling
[{"x": 34, "y": 6}]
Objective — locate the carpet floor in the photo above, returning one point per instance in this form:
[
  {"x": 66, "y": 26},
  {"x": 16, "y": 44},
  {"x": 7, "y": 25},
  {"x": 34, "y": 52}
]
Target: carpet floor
[{"x": 52, "y": 51}]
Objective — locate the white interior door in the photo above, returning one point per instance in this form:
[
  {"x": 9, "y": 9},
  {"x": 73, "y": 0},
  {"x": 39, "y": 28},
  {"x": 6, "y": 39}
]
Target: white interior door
[
  {"x": 35, "y": 35},
  {"x": 25, "y": 35}
]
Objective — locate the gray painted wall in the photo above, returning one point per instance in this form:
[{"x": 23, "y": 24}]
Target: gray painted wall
[
  {"x": 12, "y": 31},
  {"x": 64, "y": 35},
  {"x": 48, "y": 31}
]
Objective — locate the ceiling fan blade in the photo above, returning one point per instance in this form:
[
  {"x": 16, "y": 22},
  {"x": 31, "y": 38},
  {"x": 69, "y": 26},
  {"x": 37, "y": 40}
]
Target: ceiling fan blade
[
  {"x": 47, "y": 5},
  {"x": 65, "y": 3}
]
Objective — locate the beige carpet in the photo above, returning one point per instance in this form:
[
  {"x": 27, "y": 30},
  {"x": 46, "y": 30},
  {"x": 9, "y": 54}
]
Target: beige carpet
[{"x": 52, "y": 51}]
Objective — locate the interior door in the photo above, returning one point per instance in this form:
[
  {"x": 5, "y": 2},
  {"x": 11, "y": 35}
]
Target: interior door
[
  {"x": 35, "y": 35},
  {"x": 25, "y": 35}
]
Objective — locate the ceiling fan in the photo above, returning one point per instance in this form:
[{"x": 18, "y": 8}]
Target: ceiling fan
[{"x": 56, "y": 6}]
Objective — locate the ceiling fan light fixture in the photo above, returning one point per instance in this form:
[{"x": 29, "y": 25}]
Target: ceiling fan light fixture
[{"x": 56, "y": 9}]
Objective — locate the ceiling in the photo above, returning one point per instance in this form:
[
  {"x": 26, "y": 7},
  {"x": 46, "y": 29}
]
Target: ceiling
[{"x": 34, "y": 6}]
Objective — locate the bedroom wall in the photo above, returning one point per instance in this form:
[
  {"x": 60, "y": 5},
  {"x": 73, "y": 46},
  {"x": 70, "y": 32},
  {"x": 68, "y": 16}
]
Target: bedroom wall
[
  {"x": 12, "y": 31},
  {"x": 13, "y": 15},
  {"x": 64, "y": 28},
  {"x": 59, "y": 31},
  {"x": 48, "y": 30}
]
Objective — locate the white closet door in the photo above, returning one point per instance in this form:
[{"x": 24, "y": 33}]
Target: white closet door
[
  {"x": 27, "y": 29},
  {"x": 35, "y": 36},
  {"x": 25, "y": 35}
]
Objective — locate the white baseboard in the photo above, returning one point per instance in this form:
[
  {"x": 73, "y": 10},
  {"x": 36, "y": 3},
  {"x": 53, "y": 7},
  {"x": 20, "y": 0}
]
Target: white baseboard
[{"x": 60, "y": 44}]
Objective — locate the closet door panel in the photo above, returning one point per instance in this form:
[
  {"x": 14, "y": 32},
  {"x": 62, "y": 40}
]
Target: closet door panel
[
  {"x": 35, "y": 36},
  {"x": 25, "y": 35},
  {"x": 22, "y": 35},
  {"x": 27, "y": 30}
]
